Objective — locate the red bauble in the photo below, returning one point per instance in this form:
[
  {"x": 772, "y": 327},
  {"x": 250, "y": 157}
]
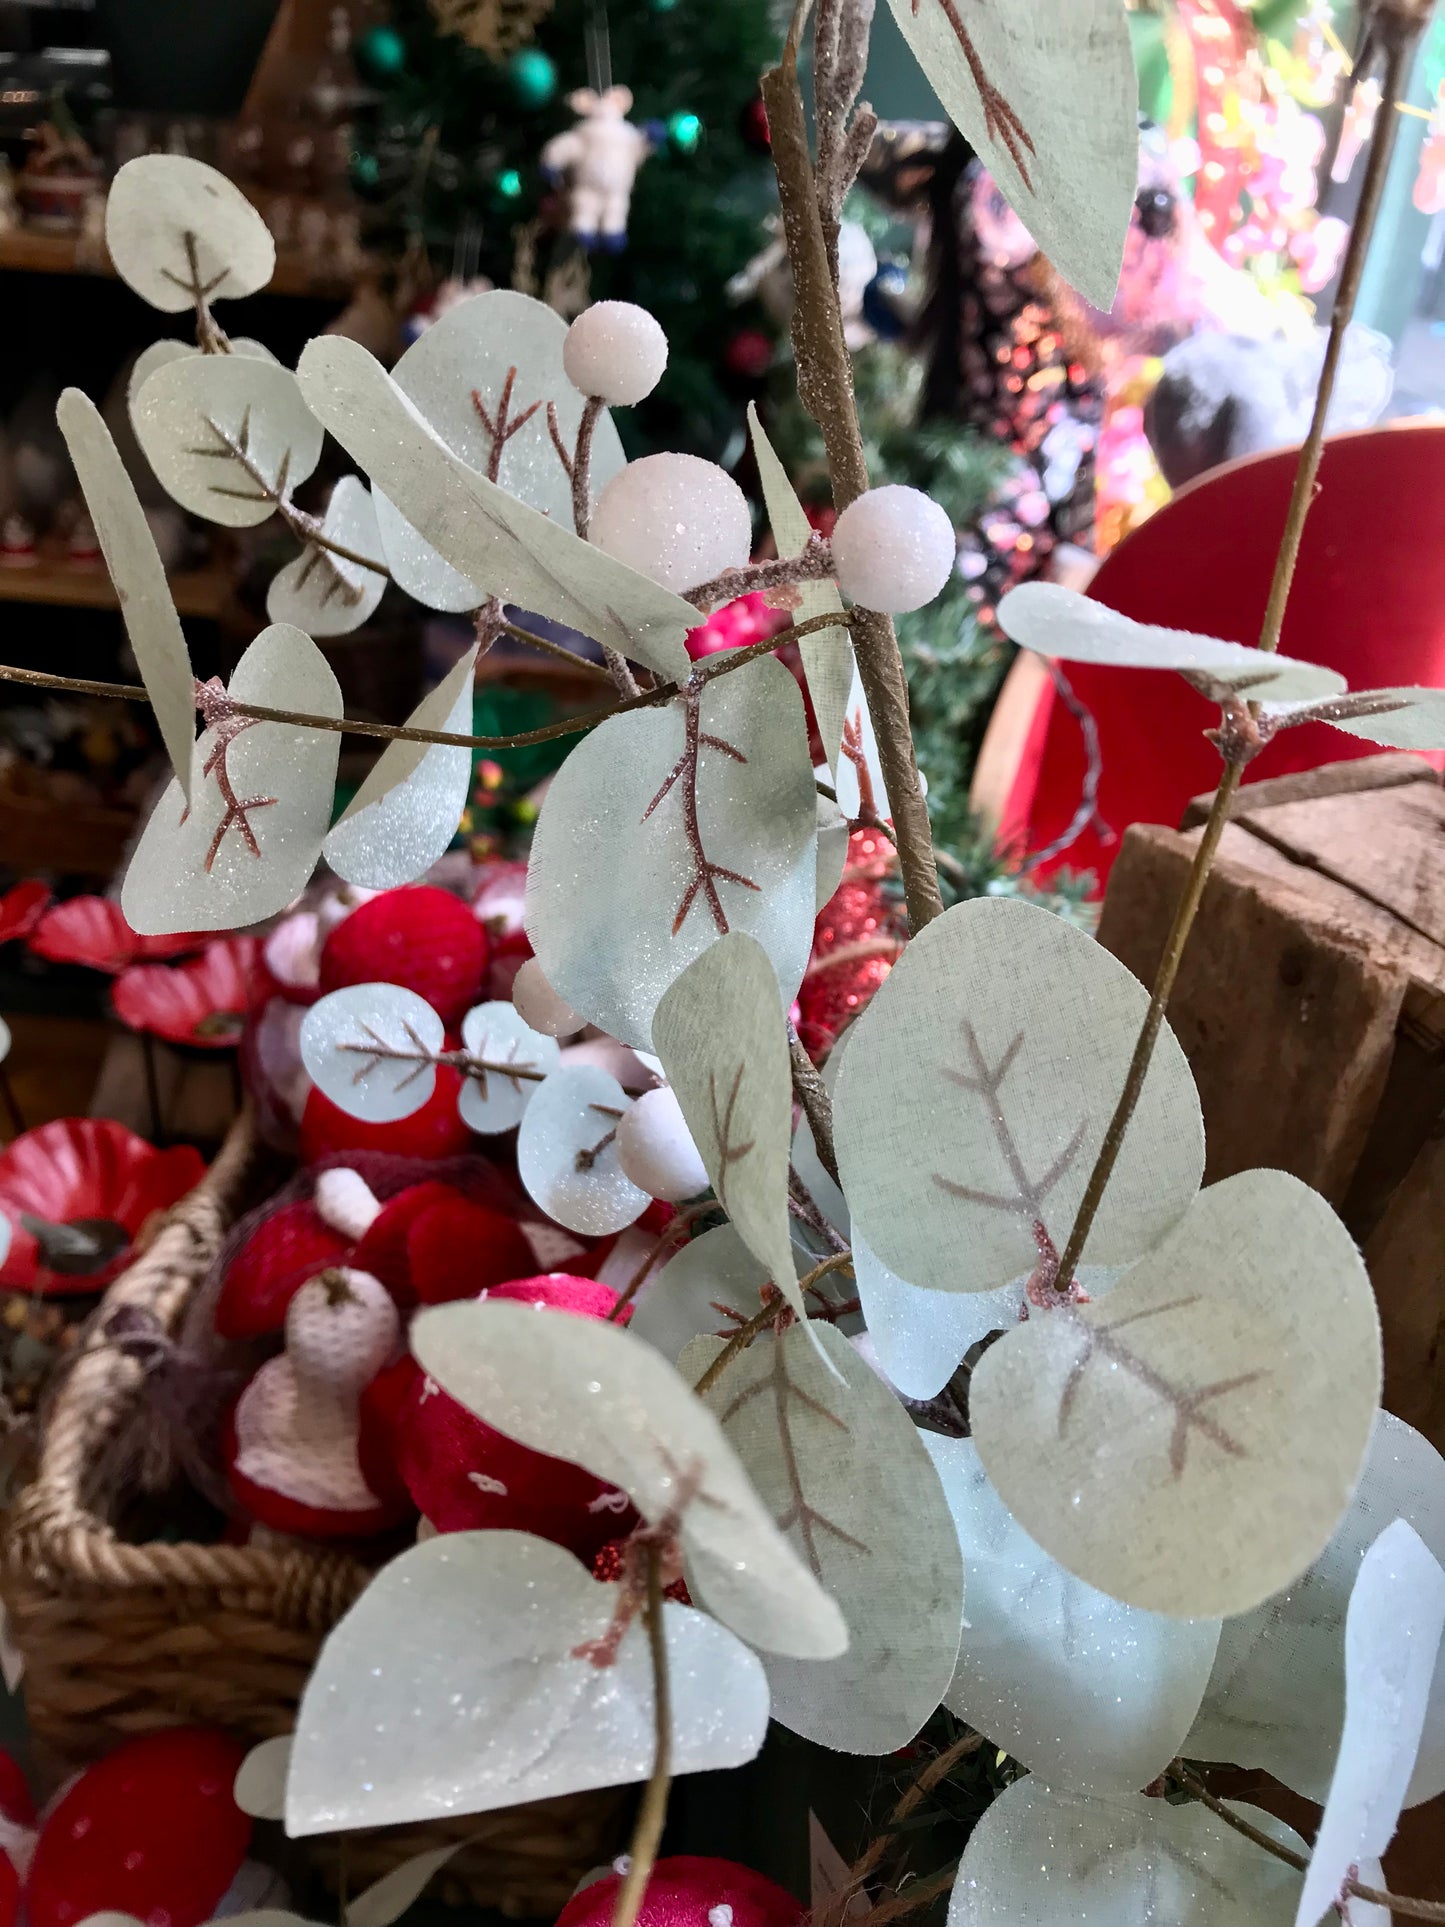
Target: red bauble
[
  {"x": 284, "y": 1250},
  {"x": 153, "y": 1831},
  {"x": 861, "y": 921},
  {"x": 686, "y": 1890},
  {"x": 748, "y": 353},
  {"x": 435, "y": 1131},
  {"x": 457, "y": 1249},
  {"x": 753, "y": 126},
  {"x": 466, "y": 1476},
  {"x": 424, "y": 939}
]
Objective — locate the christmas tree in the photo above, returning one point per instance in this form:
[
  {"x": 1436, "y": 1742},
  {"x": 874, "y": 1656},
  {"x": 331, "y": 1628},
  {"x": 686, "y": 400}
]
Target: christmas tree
[{"x": 450, "y": 159}]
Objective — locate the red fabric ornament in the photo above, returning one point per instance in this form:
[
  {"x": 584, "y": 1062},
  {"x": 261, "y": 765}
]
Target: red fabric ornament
[
  {"x": 384, "y": 1404},
  {"x": 422, "y": 938},
  {"x": 686, "y": 1890},
  {"x": 435, "y": 1131},
  {"x": 21, "y": 909},
  {"x": 383, "y": 1249},
  {"x": 466, "y": 1476},
  {"x": 284, "y": 1250},
  {"x": 856, "y": 942},
  {"x": 281, "y": 1513},
  {"x": 92, "y": 931},
  {"x": 456, "y": 1250},
  {"x": 85, "y": 1170},
  {"x": 754, "y": 128},
  {"x": 152, "y": 1830},
  {"x": 204, "y": 1002}
]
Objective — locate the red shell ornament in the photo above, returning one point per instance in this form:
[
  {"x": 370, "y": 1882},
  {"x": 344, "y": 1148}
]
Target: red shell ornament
[
  {"x": 92, "y": 931},
  {"x": 203, "y": 1003}
]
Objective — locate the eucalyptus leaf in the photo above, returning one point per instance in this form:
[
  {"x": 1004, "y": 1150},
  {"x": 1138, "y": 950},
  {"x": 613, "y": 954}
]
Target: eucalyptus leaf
[
  {"x": 828, "y": 654},
  {"x": 1087, "y": 1692},
  {"x": 1392, "y": 1643},
  {"x": 227, "y": 435},
  {"x": 920, "y": 1337},
  {"x": 138, "y": 575},
  {"x": 327, "y": 593},
  {"x": 505, "y": 547},
  {"x": 159, "y": 353},
  {"x": 1042, "y": 1855},
  {"x": 832, "y": 851},
  {"x": 567, "y": 1152},
  {"x": 691, "y": 1295},
  {"x": 495, "y": 1034},
  {"x": 261, "y": 796},
  {"x": 590, "y": 1392},
  {"x": 1059, "y": 622},
  {"x": 461, "y": 366},
  {"x": 719, "y": 1030},
  {"x": 370, "y": 1049},
  {"x": 659, "y": 834},
  {"x": 1190, "y": 1445},
  {"x": 1047, "y": 96},
  {"x": 260, "y": 1788},
  {"x": 838, "y": 1463},
  {"x": 1276, "y": 1697},
  {"x": 175, "y": 228},
  {"x": 405, "y": 815},
  {"x": 1419, "y": 722},
  {"x": 455, "y": 1685},
  {"x": 387, "y": 1899},
  {"x": 976, "y": 1093}
]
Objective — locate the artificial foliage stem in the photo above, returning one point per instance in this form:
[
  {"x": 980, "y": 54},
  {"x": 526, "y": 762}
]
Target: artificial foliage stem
[
  {"x": 651, "y": 1815},
  {"x": 1399, "y": 42},
  {"x": 825, "y": 387},
  {"x": 817, "y": 1106}
]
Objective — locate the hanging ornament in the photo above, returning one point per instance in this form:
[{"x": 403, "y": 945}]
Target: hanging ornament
[
  {"x": 1429, "y": 191},
  {"x": 380, "y": 53},
  {"x": 1363, "y": 106},
  {"x": 494, "y": 27},
  {"x": 684, "y": 131},
  {"x": 748, "y": 354},
  {"x": 753, "y": 126},
  {"x": 532, "y": 77},
  {"x": 596, "y": 161}
]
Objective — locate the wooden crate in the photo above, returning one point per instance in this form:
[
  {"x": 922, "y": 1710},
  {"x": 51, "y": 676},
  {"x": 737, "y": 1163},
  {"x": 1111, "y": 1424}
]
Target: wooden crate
[{"x": 1311, "y": 1006}]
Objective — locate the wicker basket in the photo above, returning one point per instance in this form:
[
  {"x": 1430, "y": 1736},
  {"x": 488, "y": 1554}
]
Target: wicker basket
[{"x": 120, "y": 1638}]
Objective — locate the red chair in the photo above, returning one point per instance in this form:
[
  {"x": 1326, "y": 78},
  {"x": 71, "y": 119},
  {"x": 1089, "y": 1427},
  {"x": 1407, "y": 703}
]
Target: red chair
[{"x": 1368, "y": 600}]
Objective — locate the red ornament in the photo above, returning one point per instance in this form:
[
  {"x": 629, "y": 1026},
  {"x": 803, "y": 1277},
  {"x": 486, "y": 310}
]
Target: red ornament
[
  {"x": 458, "y": 1249},
  {"x": 21, "y": 909},
  {"x": 608, "y": 1567},
  {"x": 91, "y": 1172},
  {"x": 753, "y": 126},
  {"x": 686, "y": 1890},
  {"x": 281, "y": 1513},
  {"x": 285, "y": 1249},
  {"x": 422, "y": 938},
  {"x": 204, "y": 1002},
  {"x": 464, "y": 1475},
  {"x": 152, "y": 1831},
  {"x": 384, "y": 1404},
  {"x": 856, "y": 942},
  {"x": 435, "y": 1131},
  {"x": 383, "y": 1247},
  {"x": 748, "y": 353},
  {"x": 92, "y": 931}
]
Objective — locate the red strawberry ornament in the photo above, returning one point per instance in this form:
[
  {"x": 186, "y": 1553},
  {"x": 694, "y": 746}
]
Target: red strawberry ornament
[
  {"x": 152, "y": 1830},
  {"x": 464, "y": 1475},
  {"x": 424, "y": 939}
]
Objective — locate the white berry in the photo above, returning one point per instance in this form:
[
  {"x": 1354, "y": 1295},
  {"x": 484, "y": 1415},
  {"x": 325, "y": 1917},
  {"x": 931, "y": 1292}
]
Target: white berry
[
  {"x": 655, "y": 1149},
  {"x": 341, "y": 1328},
  {"x": 893, "y": 549},
  {"x": 539, "y": 1006},
  {"x": 616, "y": 351},
  {"x": 676, "y": 518}
]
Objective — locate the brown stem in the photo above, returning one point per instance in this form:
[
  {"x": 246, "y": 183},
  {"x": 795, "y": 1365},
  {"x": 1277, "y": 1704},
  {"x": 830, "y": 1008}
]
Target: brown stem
[
  {"x": 916, "y": 1895},
  {"x": 812, "y": 1095},
  {"x": 813, "y": 563},
  {"x": 770, "y": 1313},
  {"x": 1399, "y": 43},
  {"x": 724, "y": 663},
  {"x": 1399, "y": 1905},
  {"x": 1400, "y": 40},
  {"x": 652, "y": 1814},
  {"x": 211, "y": 338},
  {"x": 825, "y": 387},
  {"x": 580, "y": 468},
  {"x": 671, "y": 1234},
  {"x": 912, "y": 1796}
]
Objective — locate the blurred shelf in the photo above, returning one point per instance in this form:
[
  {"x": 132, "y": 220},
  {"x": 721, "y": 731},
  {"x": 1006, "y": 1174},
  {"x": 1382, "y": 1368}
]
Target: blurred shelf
[
  {"x": 203, "y": 593},
  {"x": 24, "y": 251}
]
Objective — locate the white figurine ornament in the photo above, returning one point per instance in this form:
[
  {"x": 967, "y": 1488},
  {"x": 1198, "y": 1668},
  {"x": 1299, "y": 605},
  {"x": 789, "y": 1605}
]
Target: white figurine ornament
[{"x": 598, "y": 158}]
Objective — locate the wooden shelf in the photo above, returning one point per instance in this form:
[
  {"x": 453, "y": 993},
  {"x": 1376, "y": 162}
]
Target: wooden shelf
[
  {"x": 203, "y": 593},
  {"x": 24, "y": 251}
]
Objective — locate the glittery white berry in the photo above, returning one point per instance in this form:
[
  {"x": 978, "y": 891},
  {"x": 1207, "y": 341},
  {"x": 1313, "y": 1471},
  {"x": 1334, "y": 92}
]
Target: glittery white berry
[
  {"x": 655, "y": 1149},
  {"x": 893, "y": 549},
  {"x": 615, "y": 350},
  {"x": 538, "y": 1005},
  {"x": 676, "y": 518}
]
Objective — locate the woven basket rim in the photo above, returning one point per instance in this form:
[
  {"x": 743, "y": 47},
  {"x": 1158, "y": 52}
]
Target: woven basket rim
[{"x": 53, "y": 1538}]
